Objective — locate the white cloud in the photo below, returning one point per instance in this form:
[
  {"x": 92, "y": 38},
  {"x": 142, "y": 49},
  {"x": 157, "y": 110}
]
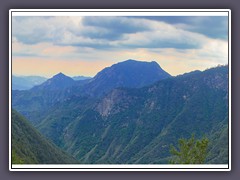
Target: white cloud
[{"x": 68, "y": 38}]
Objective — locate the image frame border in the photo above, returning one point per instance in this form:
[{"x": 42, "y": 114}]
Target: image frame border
[{"x": 26, "y": 168}]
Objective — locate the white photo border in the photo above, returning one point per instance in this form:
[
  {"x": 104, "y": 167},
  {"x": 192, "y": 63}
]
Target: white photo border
[{"x": 119, "y": 12}]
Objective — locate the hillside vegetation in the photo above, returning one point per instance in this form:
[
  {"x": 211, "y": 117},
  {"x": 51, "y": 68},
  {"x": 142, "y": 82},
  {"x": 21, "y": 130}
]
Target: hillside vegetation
[{"x": 30, "y": 147}]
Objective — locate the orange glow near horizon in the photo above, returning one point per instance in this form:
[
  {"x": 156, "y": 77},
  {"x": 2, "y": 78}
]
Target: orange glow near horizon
[
  {"x": 48, "y": 68},
  {"x": 172, "y": 61}
]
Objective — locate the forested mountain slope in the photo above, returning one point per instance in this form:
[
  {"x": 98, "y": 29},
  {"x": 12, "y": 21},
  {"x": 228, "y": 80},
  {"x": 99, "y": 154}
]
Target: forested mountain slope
[
  {"x": 30, "y": 147},
  {"x": 137, "y": 125}
]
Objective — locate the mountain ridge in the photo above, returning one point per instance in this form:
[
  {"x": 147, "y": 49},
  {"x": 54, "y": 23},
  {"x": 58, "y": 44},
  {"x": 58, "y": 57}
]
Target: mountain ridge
[
  {"x": 26, "y": 82},
  {"x": 30, "y": 147}
]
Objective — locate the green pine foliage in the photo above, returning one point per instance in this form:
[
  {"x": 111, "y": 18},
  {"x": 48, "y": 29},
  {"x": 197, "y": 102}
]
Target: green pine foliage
[
  {"x": 15, "y": 158},
  {"x": 190, "y": 151}
]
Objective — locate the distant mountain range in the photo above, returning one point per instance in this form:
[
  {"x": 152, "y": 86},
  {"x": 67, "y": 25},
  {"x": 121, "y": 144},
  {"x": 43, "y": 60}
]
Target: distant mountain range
[
  {"x": 77, "y": 78},
  {"x": 26, "y": 82},
  {"x": 130, "y": 113}
]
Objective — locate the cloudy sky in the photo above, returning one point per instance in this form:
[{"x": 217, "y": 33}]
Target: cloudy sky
[{"x": 43, "y": 45}]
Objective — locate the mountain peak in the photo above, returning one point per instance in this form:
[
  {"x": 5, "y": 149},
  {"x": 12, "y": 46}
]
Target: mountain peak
[
  {"x": 137, "y": 61},
  {"x": 130, "y": 73},
  {"x": 58, "y": 81},
  {"x": 59, "y": 75},
  {"x": 154, "y": 62},
  {"x": 132, "y": 62}
]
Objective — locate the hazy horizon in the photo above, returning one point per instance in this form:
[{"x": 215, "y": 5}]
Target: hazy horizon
[{"x": 24, "y": 75}]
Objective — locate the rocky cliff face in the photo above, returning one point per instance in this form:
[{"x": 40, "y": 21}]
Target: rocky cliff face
[{"x": 115, "y": 102}]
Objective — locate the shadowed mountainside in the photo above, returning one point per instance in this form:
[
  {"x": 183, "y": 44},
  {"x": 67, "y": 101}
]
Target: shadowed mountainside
[{"x": 30, "y": 147}]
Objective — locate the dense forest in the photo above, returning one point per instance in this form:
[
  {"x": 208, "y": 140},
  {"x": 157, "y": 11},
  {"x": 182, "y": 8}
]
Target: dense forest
[{"x": 30, "y": 147}]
